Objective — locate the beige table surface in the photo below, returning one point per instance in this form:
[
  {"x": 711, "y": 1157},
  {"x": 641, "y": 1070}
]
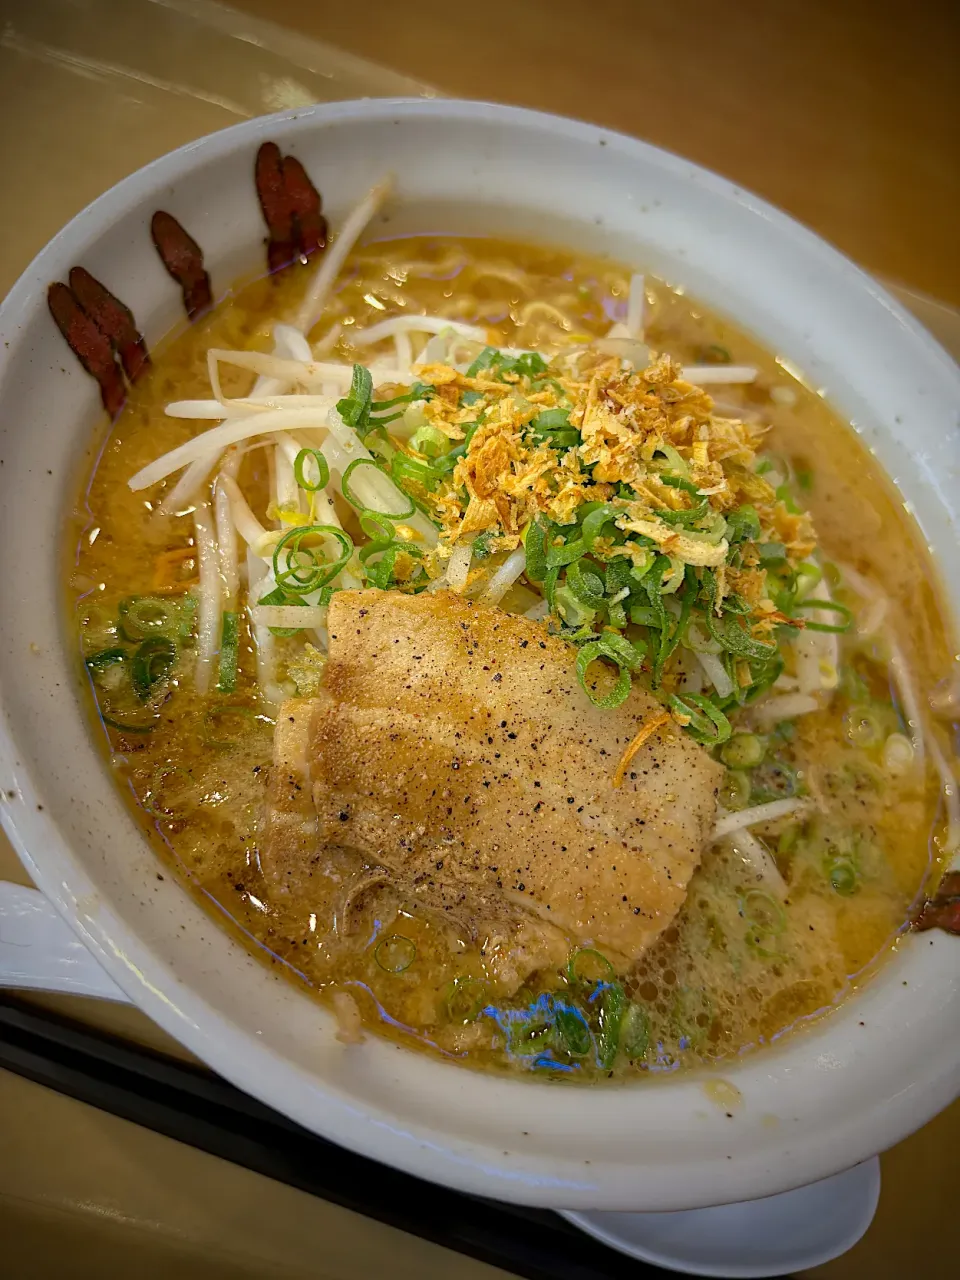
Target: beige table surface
[{"x": 845, "y": 114}]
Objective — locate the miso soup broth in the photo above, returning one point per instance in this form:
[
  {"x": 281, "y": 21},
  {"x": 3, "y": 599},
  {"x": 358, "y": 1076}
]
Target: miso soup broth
[{"x": 734, "y": 583}]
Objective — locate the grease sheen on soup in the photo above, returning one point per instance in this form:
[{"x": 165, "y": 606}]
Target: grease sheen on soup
[{"x": 734, "y": 970}]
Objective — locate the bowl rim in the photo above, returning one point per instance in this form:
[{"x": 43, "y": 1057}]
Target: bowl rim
[{"x": 190, "y": 1018}]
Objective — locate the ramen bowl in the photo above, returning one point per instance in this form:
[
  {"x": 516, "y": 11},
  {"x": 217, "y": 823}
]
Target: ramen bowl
[{"x": 818, "y": 1101}]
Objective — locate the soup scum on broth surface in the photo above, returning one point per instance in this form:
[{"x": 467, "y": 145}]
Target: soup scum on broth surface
[{"x": 403, "y": 452}]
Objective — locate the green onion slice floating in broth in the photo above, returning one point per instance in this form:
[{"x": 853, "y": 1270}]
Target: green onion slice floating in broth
[
  {"x": 587, "y": 967},
  {"x": 572, "y": 1029},
  {"x": 612, "y": 1005},
  {"x": 229, "y": 652},
  {"x": 743, "y": 751},
  {"x": 635, "y": 1031},
  {"x": 152, "y": 663},
  {"x": 843, "y": 875},
  {"x": 766, "y": 921},
  {"x": 395, "y": 954},
  {"x": 143, "y": 616},
  {"x": 104, "y": 659},
  {"x": 465, "y": 999}
]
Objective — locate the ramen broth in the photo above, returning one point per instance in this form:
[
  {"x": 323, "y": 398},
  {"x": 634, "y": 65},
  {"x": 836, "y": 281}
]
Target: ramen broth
[{"x": 737, "y": 967}]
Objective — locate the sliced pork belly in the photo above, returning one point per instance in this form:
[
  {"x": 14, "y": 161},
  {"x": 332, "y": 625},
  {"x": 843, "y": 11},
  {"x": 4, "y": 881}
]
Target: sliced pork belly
[{"x": 452, "y": 746}]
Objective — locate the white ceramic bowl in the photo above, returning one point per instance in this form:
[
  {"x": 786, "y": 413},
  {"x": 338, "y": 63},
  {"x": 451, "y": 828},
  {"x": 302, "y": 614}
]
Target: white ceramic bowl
[{"x": 819, "y": 1102}]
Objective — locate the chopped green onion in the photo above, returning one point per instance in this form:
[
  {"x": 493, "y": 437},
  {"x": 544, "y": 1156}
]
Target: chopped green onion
[
  {"x": 677, "y": 462},
  {"x": 764, "y": 911},
  {"x": 771, "y": 552},
  {"x": 376, "y": 526},
  {"x": 465, "y": 999},
  {"x": 763, "y": 675},
  {"x": 619, "y": 573},
  {"x": 127, "y": 727},
  {"x": 485, "y": 360},
  {"x": 713, "y": 354},
  {"x": 616, "y": 614},
  {"x": 834, "y": 606},
  {"x": 354, "y": 408},
  {"x": 595, "y": 521},
  {"x": 104, "y": 659},
  {"x": 743, "y": 525},
  {"x": 586, "y": 585},
  {"x": 590, "y": 653},
  {"x": 323, "y": 470},
  {"x": 152, "y": 662},
  {"x": 403, "y": 467},
  {"x": 573, "y": 1030},
  {"x": 279, "y": 596},
  {"x": 562, "y": 553},
  {"x": 429, "y": 441},
  {"x": 563, "y": 439},
  {"x": 735, "y": 790},
  {"x": 534, "y": 545},
  {"x": 685, "y": 515},
  {"x": 229, "y": 652},
  {"x": 481, "y": 545},
  {"x": 143, "y": 616},
  {"x": 347, "y": 491},
  {"x": 587, "y": 967},
  {"x": 612, "y": 1004},
  {"x": 380, "y": 573},
  {"x": 736, "y": 639},
  {"x": 550, "y": 588},
  {"x": 395, "y": 954},
  {"x": 635, "y": 1031},
  {"x": 842, "y": 873},
  {"x": 679, "y": 482},
  {"x": 188, "y": 613},
  {"x": 808, "y": 577},
  {"x": 529, "y": 365},
  {"x": 551, "y": 420},
  {"x": 785, "y": 496},
  {"x": 651, "y": 585},
  {"x": 305, "y": 569},
  {"x": 570, "y": 608},
  {"x": 705, "y": 722},
  {"x": 743, "y": 751},
  {"x": 419, "y": 391}
]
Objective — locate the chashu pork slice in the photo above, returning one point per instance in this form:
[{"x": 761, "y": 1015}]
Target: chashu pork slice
[{"x": 453, "y": 745}]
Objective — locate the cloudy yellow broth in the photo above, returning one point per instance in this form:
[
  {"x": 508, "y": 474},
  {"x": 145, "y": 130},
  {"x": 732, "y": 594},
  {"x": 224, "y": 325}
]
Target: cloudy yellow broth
[{"x": 724, "y": 978}]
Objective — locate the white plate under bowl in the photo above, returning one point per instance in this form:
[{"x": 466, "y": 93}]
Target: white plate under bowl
[{"x": 775, "y": 1236}]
